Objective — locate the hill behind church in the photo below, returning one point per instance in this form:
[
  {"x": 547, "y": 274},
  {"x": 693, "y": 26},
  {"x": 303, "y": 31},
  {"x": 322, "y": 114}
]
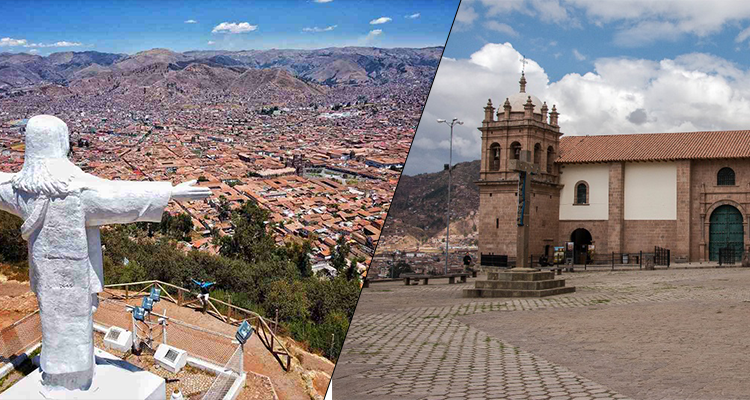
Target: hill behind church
[{"x": 417, "y": 214}]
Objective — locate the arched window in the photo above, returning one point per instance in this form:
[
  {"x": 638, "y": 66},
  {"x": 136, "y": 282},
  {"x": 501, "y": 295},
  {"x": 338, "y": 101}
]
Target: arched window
[
  {"x": 550, "y": 159},
  {"x": 495, "y": 157},
  {"x": 515, "y": 150},
  {"x": 537, "y": 154},
  {"x": 725, "y": 177},
  {"x": 582, "y": 193}
]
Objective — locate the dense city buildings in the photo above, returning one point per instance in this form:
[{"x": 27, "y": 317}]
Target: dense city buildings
[{"x": 325, "y": 162}]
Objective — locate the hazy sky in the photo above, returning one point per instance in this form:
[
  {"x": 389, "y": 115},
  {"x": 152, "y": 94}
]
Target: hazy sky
[
  {"x": 626, "y": 66},
  {"x": 43, "y": 27}
]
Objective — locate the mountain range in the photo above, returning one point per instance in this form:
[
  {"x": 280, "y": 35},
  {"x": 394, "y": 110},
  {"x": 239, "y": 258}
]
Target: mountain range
[{"x": 307, "y": 71}]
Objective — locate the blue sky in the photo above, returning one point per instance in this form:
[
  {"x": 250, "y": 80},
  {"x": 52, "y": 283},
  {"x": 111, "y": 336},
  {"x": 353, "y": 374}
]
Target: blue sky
[
  {"x": 131, "y": 26},
  {"x": 616, "y": 66}
]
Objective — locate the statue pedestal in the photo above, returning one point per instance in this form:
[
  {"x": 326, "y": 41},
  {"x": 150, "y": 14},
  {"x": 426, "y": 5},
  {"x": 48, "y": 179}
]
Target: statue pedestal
[
  {"x": 519, "y": 282},
  {"x": 113, "y": 379}
]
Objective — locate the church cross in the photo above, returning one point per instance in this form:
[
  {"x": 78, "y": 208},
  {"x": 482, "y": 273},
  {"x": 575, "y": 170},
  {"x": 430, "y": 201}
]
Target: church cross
[{"x": 525, "y": 169}]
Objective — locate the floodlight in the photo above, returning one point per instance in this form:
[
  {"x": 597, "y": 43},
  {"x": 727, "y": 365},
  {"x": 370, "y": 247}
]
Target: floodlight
[
  {"x": 244, "y": 332},
  {"x": 155, "y": 294},
  {"x": 440, "y": 121},
  {"x": 148, "y": 303},
  {"x": 139, "y": 313}
]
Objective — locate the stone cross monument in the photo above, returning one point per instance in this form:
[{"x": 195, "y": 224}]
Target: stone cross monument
[
  {"x": 525, "y": 169},
  {"x": 63, "y": 208}
]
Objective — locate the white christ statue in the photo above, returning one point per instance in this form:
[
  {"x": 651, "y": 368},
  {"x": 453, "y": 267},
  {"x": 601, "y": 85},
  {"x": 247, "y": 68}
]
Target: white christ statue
[{"x": 63, "y": 208}]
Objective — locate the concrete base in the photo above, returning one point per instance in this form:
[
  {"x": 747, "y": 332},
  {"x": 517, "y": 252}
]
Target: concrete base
[
  {"x": 113, "y": 379},
  {"x": 519, "y": 282}
]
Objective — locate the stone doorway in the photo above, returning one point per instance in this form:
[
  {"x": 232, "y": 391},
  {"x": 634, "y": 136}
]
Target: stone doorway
[
  {"x": 582, "y": 239},
  {"x": 725, "y": 230}
]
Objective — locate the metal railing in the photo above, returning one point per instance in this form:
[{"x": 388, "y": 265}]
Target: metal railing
[
  {"x": 234, "y": 315},
  {"x": 227, "y": 378},
  {"x": 16, "y": 338}
]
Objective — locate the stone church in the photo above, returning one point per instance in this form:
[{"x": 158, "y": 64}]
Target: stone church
[{"x": 688, "y": 192}]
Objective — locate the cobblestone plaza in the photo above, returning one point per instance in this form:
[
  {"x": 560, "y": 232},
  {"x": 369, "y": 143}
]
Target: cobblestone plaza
[{"x": 677, "y": 333}]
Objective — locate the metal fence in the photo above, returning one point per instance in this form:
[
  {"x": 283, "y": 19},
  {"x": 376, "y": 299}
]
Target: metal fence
[
  {"x": 20, "y": 336},
  {"x": 214, "y": 347},
  {"x": 233, "y": 370},
  {"x": 222, "y": 310}
]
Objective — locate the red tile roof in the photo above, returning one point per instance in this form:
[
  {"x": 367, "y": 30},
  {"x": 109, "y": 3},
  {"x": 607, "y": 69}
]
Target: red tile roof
[{"x": 655, "y": 147}]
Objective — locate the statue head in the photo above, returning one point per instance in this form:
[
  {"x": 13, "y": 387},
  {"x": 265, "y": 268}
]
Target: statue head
[
  {"x": 46, "y": 137},
  {"x": 46, "y": 168}
]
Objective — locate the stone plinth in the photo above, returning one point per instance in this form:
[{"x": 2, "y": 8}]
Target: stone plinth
[
  {"x": 113, "y": 379},
  {"x": 519, "y": 283}
]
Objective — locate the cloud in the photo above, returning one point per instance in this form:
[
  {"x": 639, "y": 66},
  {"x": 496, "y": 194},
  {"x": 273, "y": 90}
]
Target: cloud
[
  {"x": 465, "y": 16},
  {"x": 191, "y": 21},
  {"x": 56, "y": 44},
  {"x": 10, "y": 42},
  {"x": 322, "y": 1},
  {"x": 375, "y": 32},
  {"x": 635, "y": 23},
  {"x": 743, "y": 35},
  {"x": 500, "y": 27},
  {"x": 413, "y": 16},
  {"x": 577, "y": 54},
  {"x": 211, "y": 42},
  {"x": 34, "y": 51},
  {"x": 381, "y": 20},
  {"x": 234, "y": 27},
  {"x": 690, "y": 92},
  {"x": 316, "y": 29}
]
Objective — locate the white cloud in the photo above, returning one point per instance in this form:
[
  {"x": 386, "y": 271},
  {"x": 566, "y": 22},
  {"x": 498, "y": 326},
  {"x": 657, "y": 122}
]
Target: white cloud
[
  {"x": 34, "y": 51},
  {"x": 577, "y": 54},
  {"x": 635, "y": 22},
  {"x": 466, "y": 14},
  {"x": 56, "y": 44},
  {"x": 413, "y": 16},
  {"x": 743, "y": 35},
  {"x": 316, "y": 29},
  {"x": 191, "y": 21},
  {"x": 10, "y": 42},
  {"x": 381, "y": 20},
  {"x": 322, "y": 1},
  {"x": 211, "y": 42},
  {"x": 500, "y": 27},
  {"x": 375, "y": 32},
  {"x": 234, "y": 27},
  {"x": 690, "y": 92}
]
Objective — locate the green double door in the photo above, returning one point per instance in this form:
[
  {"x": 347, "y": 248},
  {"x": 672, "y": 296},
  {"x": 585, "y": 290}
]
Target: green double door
[{"x": 725, "y": 230}]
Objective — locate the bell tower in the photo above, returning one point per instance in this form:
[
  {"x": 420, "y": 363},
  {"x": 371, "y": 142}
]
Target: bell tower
[{"x": 522, "y": 122}]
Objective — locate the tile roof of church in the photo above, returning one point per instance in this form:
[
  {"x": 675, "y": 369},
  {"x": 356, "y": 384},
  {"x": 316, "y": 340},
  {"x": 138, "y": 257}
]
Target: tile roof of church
[{"x": 655, "y": 147}]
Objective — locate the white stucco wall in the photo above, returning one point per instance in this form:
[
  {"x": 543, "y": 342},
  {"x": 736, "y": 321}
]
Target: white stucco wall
[
  {"x": 651, "y": 191},
  {"x": 597, "y": 176}
]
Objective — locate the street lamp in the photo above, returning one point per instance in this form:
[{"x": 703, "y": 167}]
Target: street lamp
[{"x": 450, "y": 164}]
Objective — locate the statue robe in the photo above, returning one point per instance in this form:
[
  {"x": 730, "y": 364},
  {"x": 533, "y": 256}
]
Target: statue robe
[{"x": 65, "y": 258}]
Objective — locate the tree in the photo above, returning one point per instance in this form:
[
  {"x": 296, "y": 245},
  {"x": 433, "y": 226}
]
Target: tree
[
  {"x": 225, "y": 211},
  {"x": 339, "y": 254},
  {"x": 12, "y": 246},
  {"x": 402, "y": 267},
  {"x": 251, "y": 240}
]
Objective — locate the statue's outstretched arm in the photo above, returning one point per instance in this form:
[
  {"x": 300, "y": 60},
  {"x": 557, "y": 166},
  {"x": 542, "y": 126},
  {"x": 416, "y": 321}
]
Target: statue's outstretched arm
[
  {"x": 188, "y": 191},
  {"x": 8, "y": 199},
  {"x": 121, "y": 202}
]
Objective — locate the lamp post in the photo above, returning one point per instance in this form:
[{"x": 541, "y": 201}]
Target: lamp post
[{"x": 450, "y": 164}]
